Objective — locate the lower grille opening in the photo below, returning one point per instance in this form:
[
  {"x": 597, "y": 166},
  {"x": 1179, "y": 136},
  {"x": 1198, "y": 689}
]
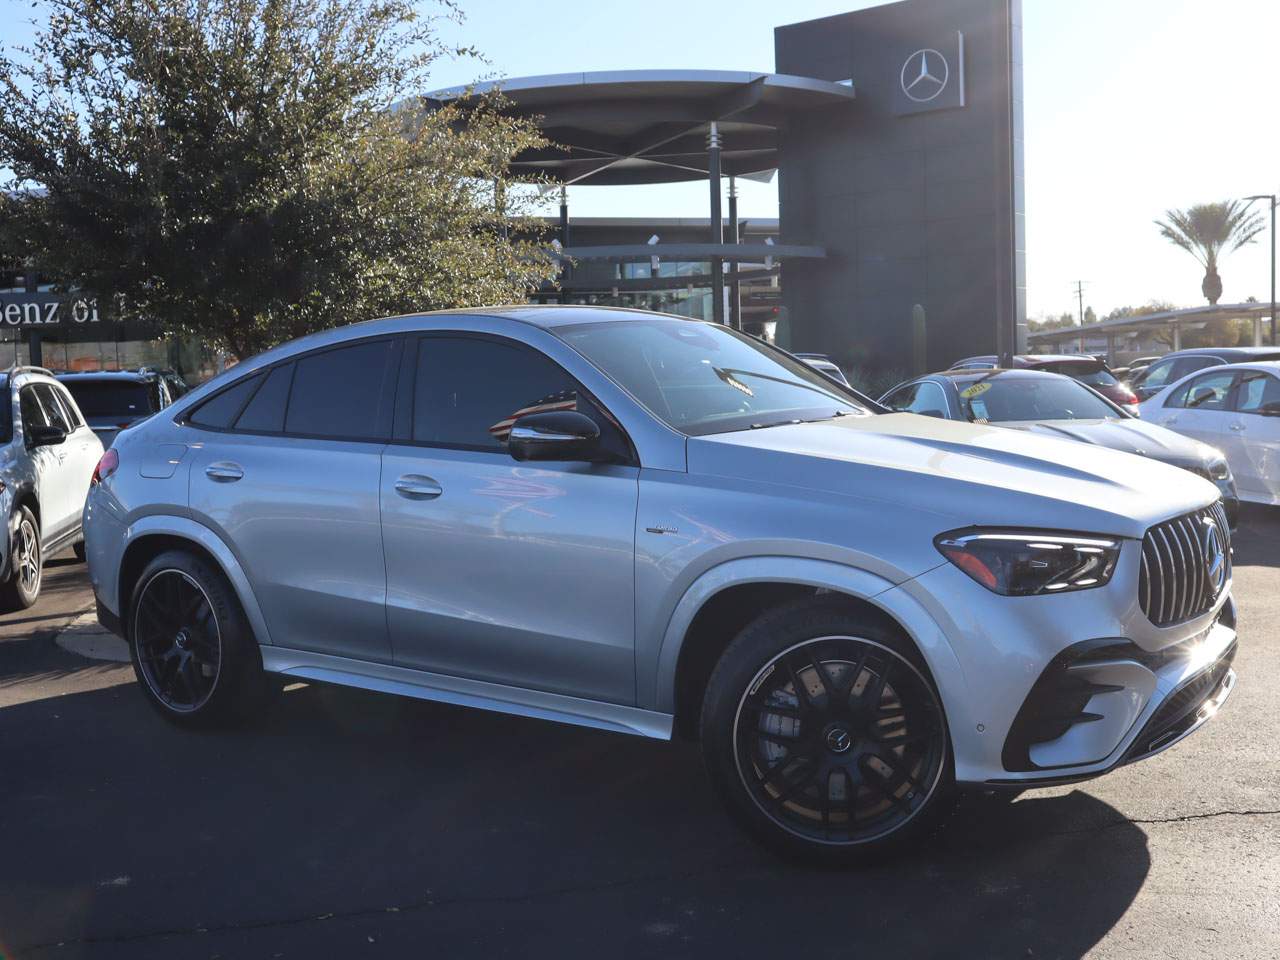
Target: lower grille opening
[{"x": 1180, "y": 712}]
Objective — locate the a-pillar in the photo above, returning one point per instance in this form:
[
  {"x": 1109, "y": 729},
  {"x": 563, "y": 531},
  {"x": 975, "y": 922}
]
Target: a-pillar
[
  {"x": 565, "y": 267},
  {"x": 735, "y": 287}
]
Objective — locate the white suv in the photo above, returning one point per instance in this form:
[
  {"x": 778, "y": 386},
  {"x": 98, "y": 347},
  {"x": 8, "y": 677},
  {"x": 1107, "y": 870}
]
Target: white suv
[
  {"x": 664, "y": 527},
  {"x": 46, "y": 462}
]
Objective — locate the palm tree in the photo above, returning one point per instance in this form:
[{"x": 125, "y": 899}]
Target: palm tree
[{"x": 1208, "y": 230}]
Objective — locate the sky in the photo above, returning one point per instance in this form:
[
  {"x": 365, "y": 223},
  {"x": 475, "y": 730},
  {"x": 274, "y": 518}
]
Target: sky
[{"x": 1132, "y": 107}]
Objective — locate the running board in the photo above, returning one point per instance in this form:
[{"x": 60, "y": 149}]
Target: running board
[{"x": 406, "y": 682}]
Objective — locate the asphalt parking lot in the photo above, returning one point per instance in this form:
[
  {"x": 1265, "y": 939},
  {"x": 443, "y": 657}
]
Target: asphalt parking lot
[{"x": 352, "y": 824}]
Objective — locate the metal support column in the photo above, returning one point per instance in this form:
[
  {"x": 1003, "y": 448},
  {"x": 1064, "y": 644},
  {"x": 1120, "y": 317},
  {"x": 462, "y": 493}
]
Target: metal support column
[
  {"x": 717, "y": 223},
  {"x": 565, "y": 268},
  {"x": 735, "y": 287}
]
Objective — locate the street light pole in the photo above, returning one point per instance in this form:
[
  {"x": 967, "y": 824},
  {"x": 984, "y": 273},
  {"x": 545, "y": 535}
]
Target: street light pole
[{"x": 1271, "y": 198}]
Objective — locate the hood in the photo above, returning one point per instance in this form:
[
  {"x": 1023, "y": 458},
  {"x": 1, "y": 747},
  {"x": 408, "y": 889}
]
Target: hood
[
  {"x": 965, "y": 474},
  {"x": 1131, "y": 436}
]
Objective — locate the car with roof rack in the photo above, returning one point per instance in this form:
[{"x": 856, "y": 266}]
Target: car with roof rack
[
  {"x": 47, "y": 458},
  {"x": 657, "y": 526}
]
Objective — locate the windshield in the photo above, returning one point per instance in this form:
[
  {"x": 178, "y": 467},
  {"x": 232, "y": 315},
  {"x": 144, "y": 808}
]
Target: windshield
[
  {"x": 1000, "y": 399},
  {"x": 111, "y": 398},
  {"x": 702, "y": 379}
]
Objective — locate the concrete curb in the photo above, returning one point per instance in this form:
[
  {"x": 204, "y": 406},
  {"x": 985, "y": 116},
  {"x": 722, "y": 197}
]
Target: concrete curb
[{"x": 86, "y": 637}]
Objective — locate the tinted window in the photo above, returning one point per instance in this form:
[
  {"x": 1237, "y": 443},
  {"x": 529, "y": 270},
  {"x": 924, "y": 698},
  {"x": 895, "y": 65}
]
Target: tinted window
[
  {"x": 468, "y": 392},
  {"x": 33, "y": 414},
  {"x": 1157, "y": 375},
  {"x": 221, "y": 409},
  {"x": 702, "y": 378},
  {"x": 53, "y": 411},
  {"x": 69, "y": 407},
  {"x": 1000, "y": 399},
  {"x": 340, "y": 393},
  {"x": 125, "y": 399},
  {"x": 902, "y": 398},
  {"x": 924, "y": 397},
  {"x": 1210, "y": 392},
  {"x": 1257, "y": 392},
  {"x": 265, "y": 412}
]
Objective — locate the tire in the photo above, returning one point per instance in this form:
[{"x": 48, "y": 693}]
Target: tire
[
  {"x": 193, "y": 651},
  {"x": 814, "y": 693},
  {"x": 26, "y": 562},
  {"x": 80, "y": 551}
]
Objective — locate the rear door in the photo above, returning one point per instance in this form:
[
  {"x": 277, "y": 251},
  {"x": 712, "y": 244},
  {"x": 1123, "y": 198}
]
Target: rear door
[
  {"x": 1254, "y": 440},
  {"x": 287, "y": 470}
]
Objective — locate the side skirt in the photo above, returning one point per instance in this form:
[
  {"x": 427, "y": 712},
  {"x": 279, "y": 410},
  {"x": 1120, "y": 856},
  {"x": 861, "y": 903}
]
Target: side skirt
[{"x": 406, "y": 682}]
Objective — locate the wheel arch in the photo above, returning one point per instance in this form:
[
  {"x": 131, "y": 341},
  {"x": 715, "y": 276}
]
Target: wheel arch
[
  {"x": 726, "y": 598},
  {"x": 153, "y": 535}
]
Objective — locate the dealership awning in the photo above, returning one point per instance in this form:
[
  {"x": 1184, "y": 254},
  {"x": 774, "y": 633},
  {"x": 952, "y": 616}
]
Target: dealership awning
[{"x": 652, "y": 126}]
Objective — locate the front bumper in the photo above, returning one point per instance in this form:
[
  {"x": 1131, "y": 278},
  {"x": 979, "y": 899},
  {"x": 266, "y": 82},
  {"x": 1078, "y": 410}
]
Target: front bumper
[{"x": 989, "y": 653}]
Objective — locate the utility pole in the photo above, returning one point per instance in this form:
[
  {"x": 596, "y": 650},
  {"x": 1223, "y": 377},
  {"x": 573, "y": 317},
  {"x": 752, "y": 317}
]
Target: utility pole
[
  {"x": 1080, "y": 298},
  {"x": 1272, "y": 199}
]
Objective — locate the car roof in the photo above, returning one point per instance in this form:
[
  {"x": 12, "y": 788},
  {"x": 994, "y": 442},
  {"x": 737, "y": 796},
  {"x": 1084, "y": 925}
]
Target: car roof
[
  {"x": 133, "y": 376},
  {"x": 1240, "y": 353}
]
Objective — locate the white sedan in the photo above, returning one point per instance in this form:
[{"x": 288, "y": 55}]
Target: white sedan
[{"x": 1236, "y": 408}]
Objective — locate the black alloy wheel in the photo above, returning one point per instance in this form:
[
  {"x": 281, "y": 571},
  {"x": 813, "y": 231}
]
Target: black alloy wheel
[
  {"x": 840, "y": 740},
  {"x": 178, "y": 643}
]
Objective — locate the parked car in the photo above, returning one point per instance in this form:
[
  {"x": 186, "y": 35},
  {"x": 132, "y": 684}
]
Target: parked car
[
  {"x": 659, "y": 526},
  {"x": 1057, "y": 405},
  {"x": 1091, "y": 371},
  {"x": 1235, "y": 407},
  {"x": 172, "y": 379},
  {"x": 1172, "y": 367},
  {"x": 114, "y": 400},
  {"x": 824, "y": 364},
  {"x": 1137, "y": 366},
  {"x": 47, "y": 455}
]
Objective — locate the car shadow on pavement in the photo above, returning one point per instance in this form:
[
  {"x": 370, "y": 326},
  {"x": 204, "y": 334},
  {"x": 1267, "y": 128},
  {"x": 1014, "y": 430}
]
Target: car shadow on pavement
[
  {"x": 347, "y": 822},
  {"x": 1256, "y": 540}
]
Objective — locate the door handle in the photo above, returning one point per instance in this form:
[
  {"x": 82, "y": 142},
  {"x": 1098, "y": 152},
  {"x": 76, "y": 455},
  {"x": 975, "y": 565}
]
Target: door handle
[
  {"x": 1169, "y": 420},
  {"x": 413, "y": 486},
  {"x": 224, "y": 472},
  {"x": 1238, "y": 427}
]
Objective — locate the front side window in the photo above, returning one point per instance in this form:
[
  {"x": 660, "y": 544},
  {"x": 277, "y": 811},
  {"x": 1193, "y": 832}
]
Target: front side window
[
  {"x": 54, "y": 413},
  {"x": 33, "y": 412},
  {"x": 702, "y": 378},
  {"x": 468, "y": 392},
  {"x": 1258, "y": 393},
  {"x": 1210, "y": 392}
]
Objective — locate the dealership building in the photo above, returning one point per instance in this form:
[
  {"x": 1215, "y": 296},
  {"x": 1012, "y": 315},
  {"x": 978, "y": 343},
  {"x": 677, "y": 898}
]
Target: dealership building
[{"x": 894, "y": 135}]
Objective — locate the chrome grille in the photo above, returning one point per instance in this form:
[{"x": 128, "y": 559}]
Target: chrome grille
[{"x": 1175, "y": 583}]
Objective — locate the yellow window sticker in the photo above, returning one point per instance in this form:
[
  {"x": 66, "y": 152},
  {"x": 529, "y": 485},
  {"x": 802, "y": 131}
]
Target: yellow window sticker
[{"x": 975, "y": 390}]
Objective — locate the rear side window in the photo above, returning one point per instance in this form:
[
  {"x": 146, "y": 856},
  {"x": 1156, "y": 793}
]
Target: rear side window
[
  {"x": 221, "y": 409},
  {"x": 468, "y": 391},
  {"x": 265, "y": 412},
  {"x": 341, "y": 393}
]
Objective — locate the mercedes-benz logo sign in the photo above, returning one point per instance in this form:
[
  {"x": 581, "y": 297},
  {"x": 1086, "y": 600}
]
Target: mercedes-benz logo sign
[
  {"x": 1215, "y": 556},
  {"x": 925, "y": 75}
]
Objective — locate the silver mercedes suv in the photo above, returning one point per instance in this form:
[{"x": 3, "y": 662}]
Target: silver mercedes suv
[
  {"x": 662, "y": 527},
  {"x": 47, "y": 456}
]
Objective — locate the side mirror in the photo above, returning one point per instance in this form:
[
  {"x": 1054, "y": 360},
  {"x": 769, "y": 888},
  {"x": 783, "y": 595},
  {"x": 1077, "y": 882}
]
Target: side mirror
[
  {"x": 1271, "y": 409},
  {"x": 560, "y": 435},
  {"x": 46, "y": 436}
]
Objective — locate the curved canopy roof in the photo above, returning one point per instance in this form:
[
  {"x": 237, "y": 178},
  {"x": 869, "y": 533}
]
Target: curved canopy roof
[{"x": 651, "y": 126}]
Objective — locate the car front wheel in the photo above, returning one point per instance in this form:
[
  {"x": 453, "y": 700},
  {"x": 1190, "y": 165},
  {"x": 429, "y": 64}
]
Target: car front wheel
[
  {"x": 26, "y": 562},
  {"x": 824, "y": 735}
]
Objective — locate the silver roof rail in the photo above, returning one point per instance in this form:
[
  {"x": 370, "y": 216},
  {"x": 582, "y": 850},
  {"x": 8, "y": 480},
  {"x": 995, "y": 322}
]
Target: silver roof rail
[{"x": 23, "y": 368}]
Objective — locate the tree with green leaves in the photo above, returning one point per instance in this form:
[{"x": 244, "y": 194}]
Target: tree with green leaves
[
  {"x": 254, "y": 170},
  {"x": 1207, "y": 231}
]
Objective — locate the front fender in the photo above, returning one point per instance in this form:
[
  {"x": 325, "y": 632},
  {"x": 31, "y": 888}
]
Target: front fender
[
  {"x": 188, "y": 529},
  {"x": 908, "y": 612}
]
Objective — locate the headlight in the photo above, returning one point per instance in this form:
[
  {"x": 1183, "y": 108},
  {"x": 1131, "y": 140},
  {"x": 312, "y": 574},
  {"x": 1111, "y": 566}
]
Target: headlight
[{"x": 1023, "y": 563}]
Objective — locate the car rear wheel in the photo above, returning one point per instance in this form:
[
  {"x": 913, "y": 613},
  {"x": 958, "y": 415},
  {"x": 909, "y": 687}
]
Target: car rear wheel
[
  {"x": 824, "y": 735},
  {"x": 193, "y": 651},
  {"x": 26, "y": 562}
]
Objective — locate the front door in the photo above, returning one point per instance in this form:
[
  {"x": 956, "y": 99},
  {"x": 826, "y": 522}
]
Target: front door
[
  {"x": 286, "y": 465},
  {"x": 513, "y": 573},
  {"x": 53, "y": 492},
  {"x": 1201, "y": 407}
]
